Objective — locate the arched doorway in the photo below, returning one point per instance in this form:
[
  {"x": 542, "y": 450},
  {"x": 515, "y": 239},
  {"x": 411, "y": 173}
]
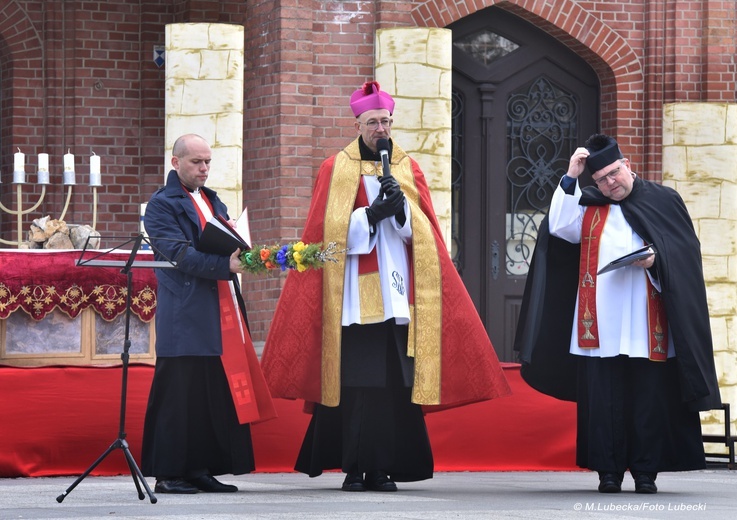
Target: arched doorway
[{"x": 522, "y": 102}]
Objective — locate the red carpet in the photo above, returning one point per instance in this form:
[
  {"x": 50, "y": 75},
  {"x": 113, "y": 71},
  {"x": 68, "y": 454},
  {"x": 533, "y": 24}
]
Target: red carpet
[{"x": 58, "y": 420}]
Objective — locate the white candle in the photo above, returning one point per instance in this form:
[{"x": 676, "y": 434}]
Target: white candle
[
  {"x": 43, "y": 168},
  {"x": 43, "y": 162},
  {"x": 19, "y": 167},
  {"x": 95, "y": 178},
  {"x": 69, "y": 168},
  {"x": 68, "y": 162},
  {"x": 20, "y": 161}
]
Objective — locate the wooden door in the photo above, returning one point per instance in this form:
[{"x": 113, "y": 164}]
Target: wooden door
[{"x": 522, "y": 102}]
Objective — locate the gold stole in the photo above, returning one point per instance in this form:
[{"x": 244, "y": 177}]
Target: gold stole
[
  {"x": 425, "y": 329},
  {"x": 588, "y": 330}
]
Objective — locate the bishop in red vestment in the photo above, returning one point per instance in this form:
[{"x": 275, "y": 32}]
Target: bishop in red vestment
[{"x": 386, "y": 333}]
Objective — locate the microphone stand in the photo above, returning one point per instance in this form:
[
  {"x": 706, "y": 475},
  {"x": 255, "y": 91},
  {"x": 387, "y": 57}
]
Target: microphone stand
[{"x": 120, "y": 442}]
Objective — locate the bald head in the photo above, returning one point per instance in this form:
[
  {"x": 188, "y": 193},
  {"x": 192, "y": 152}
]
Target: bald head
[
  {"x": 191, "y": 157},
  {"x": 183, "y": 143}
]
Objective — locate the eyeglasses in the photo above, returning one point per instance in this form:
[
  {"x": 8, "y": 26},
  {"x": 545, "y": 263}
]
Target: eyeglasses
[
  {"x": 609, "y": 176},
  {"x": 373, "y": 124}
]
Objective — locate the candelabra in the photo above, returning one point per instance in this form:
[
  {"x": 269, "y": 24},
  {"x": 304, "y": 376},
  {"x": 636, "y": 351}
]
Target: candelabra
[{"x": 68, "y": 179}]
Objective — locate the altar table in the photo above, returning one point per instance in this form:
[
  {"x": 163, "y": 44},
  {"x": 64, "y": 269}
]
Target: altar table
[{"x": 53, "y": 311}]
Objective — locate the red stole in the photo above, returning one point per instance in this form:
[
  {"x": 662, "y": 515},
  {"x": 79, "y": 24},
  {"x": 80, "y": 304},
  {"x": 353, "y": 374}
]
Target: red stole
[
  {"x": 239, "y": 357},
  {"x": 593, "y": 226},
  {"x": 588, "y": 332},
  {"x": 368, "y": 263}
]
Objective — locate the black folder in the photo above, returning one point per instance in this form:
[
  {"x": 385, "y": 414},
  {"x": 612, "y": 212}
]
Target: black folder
[{"x": 628, "y": 259}]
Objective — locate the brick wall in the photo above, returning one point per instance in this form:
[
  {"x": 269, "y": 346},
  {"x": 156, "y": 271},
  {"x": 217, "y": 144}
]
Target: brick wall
[{"x": 83, "y": 78}]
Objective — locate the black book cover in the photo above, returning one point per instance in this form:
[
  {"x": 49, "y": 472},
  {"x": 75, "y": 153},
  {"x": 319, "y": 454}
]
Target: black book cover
[{"x": 220, "y": 238}]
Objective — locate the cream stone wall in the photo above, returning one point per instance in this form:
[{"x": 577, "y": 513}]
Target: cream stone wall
[
  {"x": 204, "y": 95},
  {"x": 414, "y": 65},
  {"x": 700, "y": 162}
]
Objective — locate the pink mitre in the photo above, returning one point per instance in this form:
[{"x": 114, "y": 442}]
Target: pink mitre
[{"x": 370, "y": 97}]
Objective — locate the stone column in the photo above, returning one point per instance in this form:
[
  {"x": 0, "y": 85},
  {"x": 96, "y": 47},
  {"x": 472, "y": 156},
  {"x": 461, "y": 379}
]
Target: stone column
[
  {"x": 414, "y": 65},
  {"x": 700, "y": 162},
  {"x": 204, "y": 95}
]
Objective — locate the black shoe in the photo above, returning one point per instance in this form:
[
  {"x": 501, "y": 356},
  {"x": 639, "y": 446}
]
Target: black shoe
[
  {"x": 379, "y": 481},
  {"x": 353, "y": 482},
  {"x": 645, "y": 483},
  {"x": 210, "y": 484},
  {"x": 609, "y": 483},
  {"x": 174, "y": 486}
]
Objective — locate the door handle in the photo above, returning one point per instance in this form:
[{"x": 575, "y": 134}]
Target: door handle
[{"x": 494, "y": 260}]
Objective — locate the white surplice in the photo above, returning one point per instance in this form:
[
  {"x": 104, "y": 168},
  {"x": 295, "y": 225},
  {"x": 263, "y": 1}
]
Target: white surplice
[
  {"x": 391, "y": 252},
  {"x": 621, "y": 295}
]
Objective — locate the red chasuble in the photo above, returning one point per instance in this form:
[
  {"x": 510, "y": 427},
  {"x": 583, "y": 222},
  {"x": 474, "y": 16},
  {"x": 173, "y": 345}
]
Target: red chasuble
[{"x": 455, "y": 363}]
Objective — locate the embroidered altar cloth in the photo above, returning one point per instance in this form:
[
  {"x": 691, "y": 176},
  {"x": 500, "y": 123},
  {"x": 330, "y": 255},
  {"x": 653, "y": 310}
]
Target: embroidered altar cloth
[{"x": 40, "y": 281}]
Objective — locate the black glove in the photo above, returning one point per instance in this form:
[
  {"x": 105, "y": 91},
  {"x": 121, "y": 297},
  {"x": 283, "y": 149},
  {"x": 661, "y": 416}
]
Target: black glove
[
  {"x": 385, "y": 208},
  {"x": 388, "y": 185}
]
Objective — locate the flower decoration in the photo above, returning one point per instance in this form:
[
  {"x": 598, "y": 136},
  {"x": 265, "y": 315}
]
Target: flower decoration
[{"x": 296, "y": 256}]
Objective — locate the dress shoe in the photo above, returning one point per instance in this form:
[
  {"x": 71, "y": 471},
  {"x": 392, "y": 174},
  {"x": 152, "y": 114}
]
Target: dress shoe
[
  {"x": 210, "y": 484},
  {"x": 353, "y": 482},
  {"x": 175, "y": 486},
  {"x": 609, "y": 483},
  {"x": 379, "y": 481},
  {"x": 645, "y": 483}
]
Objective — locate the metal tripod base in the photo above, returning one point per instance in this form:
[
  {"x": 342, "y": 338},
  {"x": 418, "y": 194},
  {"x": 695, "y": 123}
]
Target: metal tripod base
[
  {"x": 135, "y": 472},
  {"x": 120, "y": 442}
]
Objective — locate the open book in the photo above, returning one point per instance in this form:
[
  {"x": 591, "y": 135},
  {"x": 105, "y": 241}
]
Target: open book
[
  {"x": 628, "y": 259},
  {"x": 221, "y": 238}
]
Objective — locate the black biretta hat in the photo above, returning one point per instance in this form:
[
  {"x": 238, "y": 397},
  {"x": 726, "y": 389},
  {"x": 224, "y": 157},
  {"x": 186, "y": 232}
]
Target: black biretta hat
[{"x": 603, "y": 151}]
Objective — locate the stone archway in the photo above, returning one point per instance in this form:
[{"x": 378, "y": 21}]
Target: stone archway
[{"x": 609, "y": 54}]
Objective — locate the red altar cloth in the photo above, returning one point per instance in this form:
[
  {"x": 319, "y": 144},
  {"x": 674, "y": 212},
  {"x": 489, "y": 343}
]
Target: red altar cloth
[
  {"x": 39, "y": 281},
  {"x": 58, "y": 420}
]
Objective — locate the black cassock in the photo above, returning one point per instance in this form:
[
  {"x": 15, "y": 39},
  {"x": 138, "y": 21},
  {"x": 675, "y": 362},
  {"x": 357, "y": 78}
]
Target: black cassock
[{"x": 660, "y": 217}]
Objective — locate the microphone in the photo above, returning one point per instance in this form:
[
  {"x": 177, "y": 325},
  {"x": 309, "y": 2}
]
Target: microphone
[{"x": 383, "y": 146}]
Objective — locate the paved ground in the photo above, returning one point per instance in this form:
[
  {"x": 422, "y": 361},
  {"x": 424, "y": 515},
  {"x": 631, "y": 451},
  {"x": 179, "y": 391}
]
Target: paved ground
[{"x": 709, "y": 494}]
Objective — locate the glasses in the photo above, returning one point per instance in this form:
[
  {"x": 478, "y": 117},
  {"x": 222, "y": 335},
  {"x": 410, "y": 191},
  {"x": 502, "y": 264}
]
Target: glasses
[
  {"x": 609, "y": 176},
  {"x": 373, "y": 124}
]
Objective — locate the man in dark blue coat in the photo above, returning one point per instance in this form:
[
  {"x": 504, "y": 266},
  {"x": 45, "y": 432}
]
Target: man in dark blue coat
[{"x": 207, "y": 384}]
